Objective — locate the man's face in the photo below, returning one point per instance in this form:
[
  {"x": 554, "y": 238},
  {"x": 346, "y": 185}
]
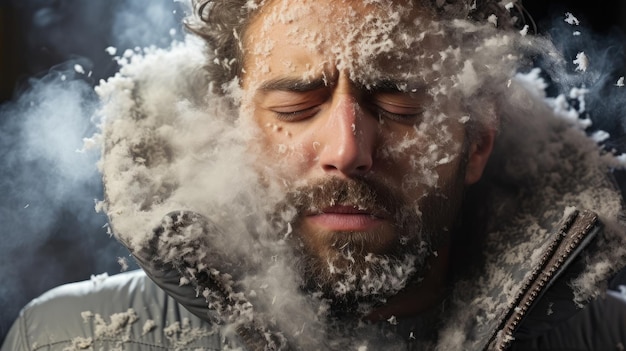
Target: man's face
[{"x": 353, "y": 122}]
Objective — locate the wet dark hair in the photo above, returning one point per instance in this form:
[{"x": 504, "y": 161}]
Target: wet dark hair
[{"x": 222, "y": 24}]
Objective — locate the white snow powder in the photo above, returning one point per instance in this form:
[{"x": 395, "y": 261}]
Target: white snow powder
[
  {"x": 111, "y": 50},
  {"x": 570, "y": 19},
  {"x": 99, "y": 278},
  {"x": 148, "y": 326},
  {"x": 79, "y": 69},
  {"x": 581, "y": 61},
  {"x": 524, "y": 31},
  {"x": 600, "y": 136},
  {"x": 80, "y": 343},
  {"x": 123, "y": 262}
]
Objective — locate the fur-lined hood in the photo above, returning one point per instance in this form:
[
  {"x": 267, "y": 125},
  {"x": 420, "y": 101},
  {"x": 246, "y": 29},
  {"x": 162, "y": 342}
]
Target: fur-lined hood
[
  {"x": 154, "y": 162},
  {"x": 544, "y": 169}
]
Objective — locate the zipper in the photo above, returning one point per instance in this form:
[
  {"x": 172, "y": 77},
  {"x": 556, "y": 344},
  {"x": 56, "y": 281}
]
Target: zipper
[{"x": 578, "y": 229}]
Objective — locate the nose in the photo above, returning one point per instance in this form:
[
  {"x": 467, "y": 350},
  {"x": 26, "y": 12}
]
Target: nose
[{"x": 348, "y": 139}]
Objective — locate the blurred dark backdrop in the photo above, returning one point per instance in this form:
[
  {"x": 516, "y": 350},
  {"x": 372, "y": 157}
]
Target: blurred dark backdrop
[
  {"x": 52, "y": 52},
  {"x": 38, "y": 37}
]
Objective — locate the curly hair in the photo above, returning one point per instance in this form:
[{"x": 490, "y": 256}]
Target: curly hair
[{"x": 222, "y": 24}]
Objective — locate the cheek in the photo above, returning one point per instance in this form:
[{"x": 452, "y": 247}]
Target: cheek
[
  {"x": 285, "y": 150},
  {"x": 422, "y": 156}
]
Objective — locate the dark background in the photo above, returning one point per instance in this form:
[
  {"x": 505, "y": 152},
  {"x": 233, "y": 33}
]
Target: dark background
[
  {"x": 52, "y": 237},
  {"x": 50, "y": 232}
]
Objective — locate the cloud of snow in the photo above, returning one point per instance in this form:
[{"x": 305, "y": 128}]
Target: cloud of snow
[
  {"x": 49, "y": 182},
  {"x": 171, "y": 146}
]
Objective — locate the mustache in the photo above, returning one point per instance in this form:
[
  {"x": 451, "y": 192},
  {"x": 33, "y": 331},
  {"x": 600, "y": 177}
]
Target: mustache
[{"x": 366, "y": 194}]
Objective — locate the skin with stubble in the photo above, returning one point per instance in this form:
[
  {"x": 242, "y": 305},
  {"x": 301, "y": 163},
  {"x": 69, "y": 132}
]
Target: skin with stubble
[{"x": 374, "y": 156}]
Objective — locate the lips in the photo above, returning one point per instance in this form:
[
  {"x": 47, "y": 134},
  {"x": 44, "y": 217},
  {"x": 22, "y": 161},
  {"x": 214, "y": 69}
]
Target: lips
[{"x": 345, "y": 218}]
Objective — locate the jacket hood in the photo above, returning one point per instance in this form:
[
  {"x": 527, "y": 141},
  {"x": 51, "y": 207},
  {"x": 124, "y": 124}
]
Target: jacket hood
[
  {"x": 543, "y": 169},
  {"x": 154, "y": 162}
]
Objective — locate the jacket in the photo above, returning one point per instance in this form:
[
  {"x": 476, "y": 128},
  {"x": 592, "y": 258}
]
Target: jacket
[{"x": 121, "y": 312}]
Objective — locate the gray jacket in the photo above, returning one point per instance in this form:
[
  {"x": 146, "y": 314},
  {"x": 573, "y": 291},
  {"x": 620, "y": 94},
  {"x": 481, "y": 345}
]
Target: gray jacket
[{"x": 121, "y": 312}]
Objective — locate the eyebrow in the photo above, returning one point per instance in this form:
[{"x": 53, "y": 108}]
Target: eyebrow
[
  {"x": 393, "y": 86},
  {"x": 300, "y": 85},
  {"x": 293, "y": 84}
]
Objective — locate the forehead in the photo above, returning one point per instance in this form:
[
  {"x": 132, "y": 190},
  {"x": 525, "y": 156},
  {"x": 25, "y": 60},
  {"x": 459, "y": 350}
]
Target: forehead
[{"x": 368, "y": 39}]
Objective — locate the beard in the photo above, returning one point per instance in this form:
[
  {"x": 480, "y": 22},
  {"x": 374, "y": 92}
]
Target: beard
[{"x": 370, "y": 266}]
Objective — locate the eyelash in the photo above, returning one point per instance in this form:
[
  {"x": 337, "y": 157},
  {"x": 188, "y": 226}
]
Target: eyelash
[
  {"x": 294, "y": 116},
  {"x": 398, "y": 117}
]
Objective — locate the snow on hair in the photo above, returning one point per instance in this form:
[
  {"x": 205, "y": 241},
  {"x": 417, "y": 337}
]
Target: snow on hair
[{"x": 222, "y": 23}]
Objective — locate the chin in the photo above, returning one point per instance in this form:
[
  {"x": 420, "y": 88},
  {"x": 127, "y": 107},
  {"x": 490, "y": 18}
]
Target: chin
[
  {"x": 380, "y": 241},
  {"x": 354, "y": 266}
]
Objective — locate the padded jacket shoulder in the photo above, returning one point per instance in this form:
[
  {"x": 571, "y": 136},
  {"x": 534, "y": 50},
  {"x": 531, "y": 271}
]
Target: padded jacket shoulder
[{"x": 122, "y": 312}]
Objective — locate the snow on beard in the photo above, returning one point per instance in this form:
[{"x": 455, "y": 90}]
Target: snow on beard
[
  {"x": 349, "y": 265},
  {"x": 384, "y": 49}
]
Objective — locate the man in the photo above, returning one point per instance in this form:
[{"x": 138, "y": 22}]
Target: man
[{"x": 361, "y": 209}]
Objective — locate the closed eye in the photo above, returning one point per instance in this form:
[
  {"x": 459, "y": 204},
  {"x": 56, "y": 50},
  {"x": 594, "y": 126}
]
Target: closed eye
[
  {"x": 411, "y": 117},
  {"x": 398, "y": 111},
  {"x": 396, "y": 101},
  {"x": 293, "y": 105},
  {"x": 288, "y": 114}
]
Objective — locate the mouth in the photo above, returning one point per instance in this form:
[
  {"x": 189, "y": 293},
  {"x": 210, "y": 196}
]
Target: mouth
[{"x": 346, "y": 218}]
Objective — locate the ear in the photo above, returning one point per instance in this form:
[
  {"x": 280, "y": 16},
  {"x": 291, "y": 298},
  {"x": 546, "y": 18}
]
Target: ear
[{"x": 479, "y": 153}]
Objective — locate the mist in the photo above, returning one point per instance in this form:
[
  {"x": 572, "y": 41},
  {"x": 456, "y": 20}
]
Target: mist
[{"x": 51, "y": 233}]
